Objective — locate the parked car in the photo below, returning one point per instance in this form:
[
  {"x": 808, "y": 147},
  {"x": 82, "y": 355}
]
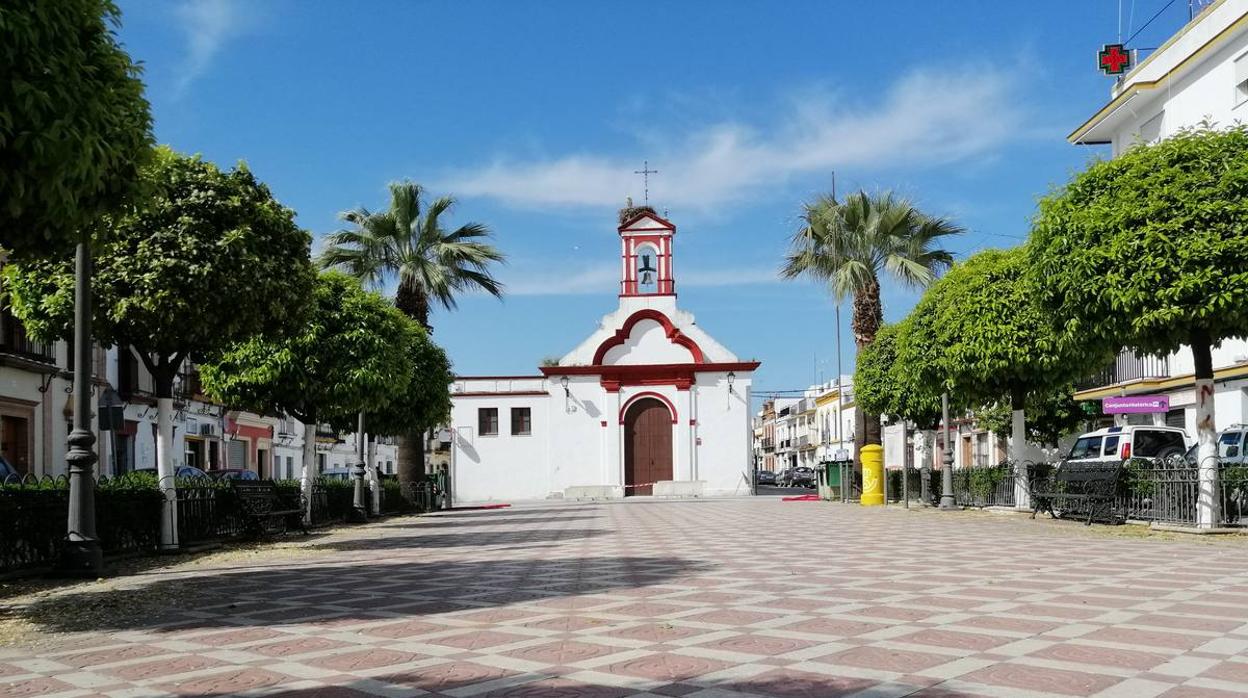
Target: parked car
[
  {"x": 782, "y": 477},
  {"x": 8, "y": 472},
  {"x": 802, "y": 476},
  {"x": 1136, "y": 441},
  {"x": 234, "y": 474},
  {"x": 337, "y": 473},
  {"x": 181, "y": 471},
  {"x": 1231, "y": 445},
  {"x": 765, "y": 477}
]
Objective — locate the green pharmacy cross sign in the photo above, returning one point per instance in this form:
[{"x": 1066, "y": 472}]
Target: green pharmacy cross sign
[{"x": 1113, "y": 59}]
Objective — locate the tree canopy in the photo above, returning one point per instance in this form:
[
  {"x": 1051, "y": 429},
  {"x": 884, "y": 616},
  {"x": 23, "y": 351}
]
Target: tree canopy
[
  {"x": 997, "y": 343},
  {"x": 205, "y": 259},
  {"x": 1150, "y": 250},
  {"x": 353, "y": 354},
  {"x": 426, "y": 402},
  {"x": 884, "y": 383},
  {"x": 74, "y": 125},
  {"x": 407, "y": 241}
]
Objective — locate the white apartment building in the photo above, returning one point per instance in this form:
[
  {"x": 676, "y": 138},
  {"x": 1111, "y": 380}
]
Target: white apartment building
[{"x": 1200, "y": 74}]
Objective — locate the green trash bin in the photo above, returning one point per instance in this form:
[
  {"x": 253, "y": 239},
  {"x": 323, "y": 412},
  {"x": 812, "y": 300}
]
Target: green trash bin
[{"x": 829, "y": 481}]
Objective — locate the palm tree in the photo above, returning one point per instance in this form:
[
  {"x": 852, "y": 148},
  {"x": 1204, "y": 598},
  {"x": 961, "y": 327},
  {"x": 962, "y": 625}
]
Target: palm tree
[
  {"x": 851, "y": 245},
  {"x": 432, "y": 266}
]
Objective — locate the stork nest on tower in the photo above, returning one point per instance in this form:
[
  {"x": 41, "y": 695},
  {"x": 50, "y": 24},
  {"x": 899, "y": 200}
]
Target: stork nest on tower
[{"x": 629, "y": 212}]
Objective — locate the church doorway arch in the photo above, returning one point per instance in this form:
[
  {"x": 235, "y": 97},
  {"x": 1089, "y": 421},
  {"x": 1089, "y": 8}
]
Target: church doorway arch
[{"x": 647, "y": 445}]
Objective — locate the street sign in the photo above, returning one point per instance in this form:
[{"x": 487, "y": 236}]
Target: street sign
[
  {"x": 1136, "y": 404},
  {"x": 1113, "y": 59}
]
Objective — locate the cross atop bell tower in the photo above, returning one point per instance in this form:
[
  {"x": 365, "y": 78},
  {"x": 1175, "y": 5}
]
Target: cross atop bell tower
[{"x": 645, "y": 253}]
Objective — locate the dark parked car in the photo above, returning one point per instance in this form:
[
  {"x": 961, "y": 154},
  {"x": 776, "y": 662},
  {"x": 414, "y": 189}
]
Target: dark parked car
[
  {"x": 765, "y": 477},
  {"x": 234, "y": 474},
  {"x": 180, "y": 471},
  {"x": 7, "y": 472},
  {"x": 800, "y": 476}
]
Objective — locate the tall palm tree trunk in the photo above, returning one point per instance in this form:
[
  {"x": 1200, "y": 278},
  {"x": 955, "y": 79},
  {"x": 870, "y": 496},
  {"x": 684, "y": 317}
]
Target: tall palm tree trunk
[
  {"x": 411, "y": 448},
  {"x": 868, "y": 316}
]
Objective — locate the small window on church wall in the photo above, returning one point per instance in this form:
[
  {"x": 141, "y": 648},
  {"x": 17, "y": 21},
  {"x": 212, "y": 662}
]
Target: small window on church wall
[
  {"x": 487, "y": 421},
  {"x": 521, "y": 421}
]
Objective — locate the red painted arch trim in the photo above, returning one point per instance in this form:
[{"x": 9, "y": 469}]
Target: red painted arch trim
[
  {"x": 643, "y": 395},
  {"x": 673, "y": 333}
]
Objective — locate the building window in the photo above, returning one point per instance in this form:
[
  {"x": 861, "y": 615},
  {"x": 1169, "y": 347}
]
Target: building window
[
  {"x": 389, "y": 467},
  {"x": 487, "y": 421},
  {"x": 1150, "y": 131},
  {"x": 521, "y": 421},
  {"x": 290, "y": 467}
]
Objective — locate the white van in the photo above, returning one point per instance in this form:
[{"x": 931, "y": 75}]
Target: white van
[{"x": 1121, "y": 443}]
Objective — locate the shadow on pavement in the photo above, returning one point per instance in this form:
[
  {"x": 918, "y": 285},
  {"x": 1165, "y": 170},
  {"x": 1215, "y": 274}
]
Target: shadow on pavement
[
  {"x": 463, "y": 539},
  {"x": 342, "y": 595}
]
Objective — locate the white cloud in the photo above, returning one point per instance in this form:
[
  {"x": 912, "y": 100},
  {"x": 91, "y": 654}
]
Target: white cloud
[
  {"x": 926, "y": 118},
  {"x": 604, "y": 279},
  {"x": 208, "y": 26}
]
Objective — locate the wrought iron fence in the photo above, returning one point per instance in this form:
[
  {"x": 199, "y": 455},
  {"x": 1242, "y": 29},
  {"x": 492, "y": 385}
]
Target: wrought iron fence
[
  {"x": 207, "y": 510},
  {"x": 34, "y": 514},
  {"x": 985, "y": 486},
  {"x": 1166, "y": 490}
]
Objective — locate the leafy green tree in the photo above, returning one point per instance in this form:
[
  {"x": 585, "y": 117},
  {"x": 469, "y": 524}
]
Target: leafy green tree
[
  {"x": 408, "y": 242},
  {"x": 74, "y": 125},
  {"x": 353, "y": 354},
  {"x": 902, "y": 389},
  {"x": 426, "y": 402},
  {"x": 851, "y": 246},
  {"x": 1150, "y": 251},
  {"x": 208, "y": 258},
  {"x": 999, "y": 345},
  {"x": 1050, "y": 416}
]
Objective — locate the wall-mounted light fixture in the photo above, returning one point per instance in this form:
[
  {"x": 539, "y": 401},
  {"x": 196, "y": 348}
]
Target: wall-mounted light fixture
[{"x": 567, "y": 394}]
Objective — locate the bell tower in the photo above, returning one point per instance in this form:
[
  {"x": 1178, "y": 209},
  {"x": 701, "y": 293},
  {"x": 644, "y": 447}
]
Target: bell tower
[{"x": 645, "y": 253}]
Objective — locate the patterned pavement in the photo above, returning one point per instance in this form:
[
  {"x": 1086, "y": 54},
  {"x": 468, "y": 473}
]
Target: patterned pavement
[{"x": 706, "y": 598}]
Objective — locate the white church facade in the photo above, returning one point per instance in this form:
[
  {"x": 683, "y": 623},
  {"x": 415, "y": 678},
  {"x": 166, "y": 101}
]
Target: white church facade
[{"x": 649, "y": 405}]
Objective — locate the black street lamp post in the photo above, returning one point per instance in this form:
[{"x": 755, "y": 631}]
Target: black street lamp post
[
  {"x": 946, "y": 472},
  {"x": 81, "y": 555}
]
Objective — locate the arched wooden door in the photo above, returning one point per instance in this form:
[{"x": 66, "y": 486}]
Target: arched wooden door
[{"x": 647, "y": 446}]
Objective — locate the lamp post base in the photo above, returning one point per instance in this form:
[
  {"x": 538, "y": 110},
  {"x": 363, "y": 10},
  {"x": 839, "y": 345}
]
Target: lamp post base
[
  {"x": 357, "y": 515},
  {"x": 947, "y": 503},
  {"x": 81, "y": 558}
]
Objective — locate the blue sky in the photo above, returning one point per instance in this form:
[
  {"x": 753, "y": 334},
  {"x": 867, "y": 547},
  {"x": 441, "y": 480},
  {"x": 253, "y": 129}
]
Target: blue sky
[{"x": 536, "y": 114}]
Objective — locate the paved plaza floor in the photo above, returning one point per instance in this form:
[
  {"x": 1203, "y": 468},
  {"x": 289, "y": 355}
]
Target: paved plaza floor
[{"x": 700, "y": 598}]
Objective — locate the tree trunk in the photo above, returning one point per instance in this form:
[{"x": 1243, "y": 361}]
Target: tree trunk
[
  {"x": 411, "y": 465},
  {"x": 1209, "y": 496},
  {"x": 166, "y": 473},
  {"x": 1018, "y": 449},
  {"x": 374, "y": 474},
  {"x": 309, "y": 464},
  {"x": 868, "y": 315},
  {"x": 413, "y": 303}
]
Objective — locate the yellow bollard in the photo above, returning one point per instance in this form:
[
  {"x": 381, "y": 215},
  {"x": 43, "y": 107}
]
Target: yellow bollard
[{"x": 872, "y": 475}]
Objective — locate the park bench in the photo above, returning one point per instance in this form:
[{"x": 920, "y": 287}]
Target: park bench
[
  {"x": 265, "y": 506},
  {"x": 1073, "y": 487}
]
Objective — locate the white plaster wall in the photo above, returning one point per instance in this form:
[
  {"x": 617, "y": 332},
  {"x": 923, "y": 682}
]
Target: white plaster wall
[
  {"x": 647, "y": 344},
  {"x": 578, "y": 443},
  {"x": 722, "y": 435},
  {"x": 502, "y": 467},
  {"x": 583, "y": 354}
]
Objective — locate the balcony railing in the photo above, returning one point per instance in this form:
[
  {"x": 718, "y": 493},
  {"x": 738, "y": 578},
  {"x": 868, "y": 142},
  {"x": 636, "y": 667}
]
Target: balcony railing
[
  {"x": 769, "y": 444},
  {"x": 13, "y": 340},
  {"x": 1128, "y": 366}
]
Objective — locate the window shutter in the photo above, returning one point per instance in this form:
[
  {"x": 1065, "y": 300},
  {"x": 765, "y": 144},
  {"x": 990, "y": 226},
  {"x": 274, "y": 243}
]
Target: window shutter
[{"x": 238, "y": 454}]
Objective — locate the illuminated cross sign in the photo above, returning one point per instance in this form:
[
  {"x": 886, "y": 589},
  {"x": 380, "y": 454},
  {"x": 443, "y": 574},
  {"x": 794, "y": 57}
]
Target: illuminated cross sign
[{"x": 1113, "y": 59}]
